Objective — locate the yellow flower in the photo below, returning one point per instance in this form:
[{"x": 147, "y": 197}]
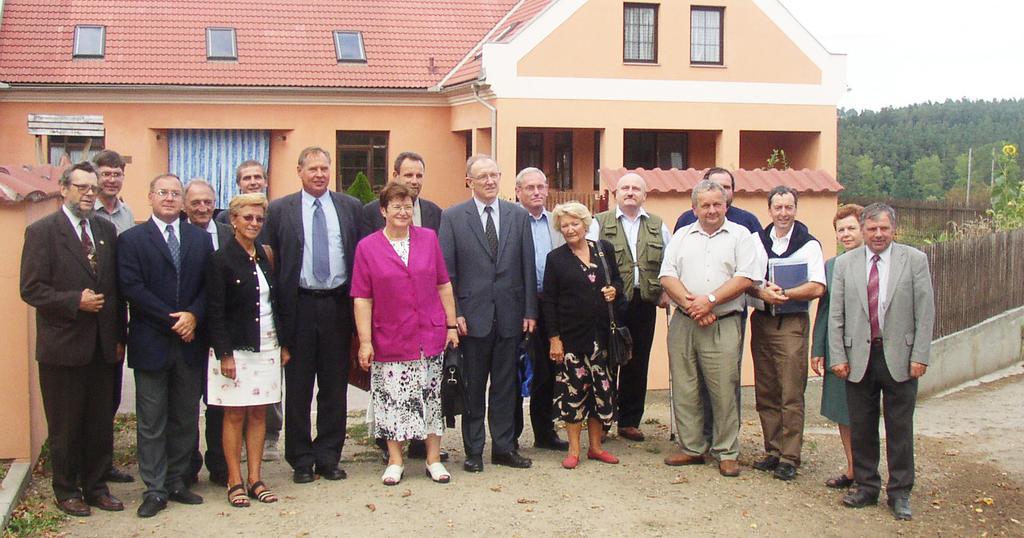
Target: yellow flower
[{"x": 1010, "y": 150}]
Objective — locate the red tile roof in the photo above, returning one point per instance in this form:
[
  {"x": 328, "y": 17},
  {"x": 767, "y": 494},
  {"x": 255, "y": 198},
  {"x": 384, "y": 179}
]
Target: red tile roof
[
  {"x": 279, "y": 42},
  {"x": 28, "y": 182},
  {"x": 674, "y": 180},
  {"x": 518, "y": 19}
]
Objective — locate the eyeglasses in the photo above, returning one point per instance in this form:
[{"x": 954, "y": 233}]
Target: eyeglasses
[
  {"x": 406, "y": 208},
  {"x": 488, "y": 175},
  {"x": 85, "y": 188},
  {"x": 164, "y": 193},
  {"x": 249, "y": 218},
  {"x": 112, "y": 174}
]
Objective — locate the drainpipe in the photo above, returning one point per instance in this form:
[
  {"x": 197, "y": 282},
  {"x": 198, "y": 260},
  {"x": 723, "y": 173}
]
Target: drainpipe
[{"x": 494, "y": 119}]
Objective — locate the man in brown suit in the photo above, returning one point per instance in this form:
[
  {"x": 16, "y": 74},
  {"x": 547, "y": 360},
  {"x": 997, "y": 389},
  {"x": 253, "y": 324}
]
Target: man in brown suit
[{"x": 69, "y": 274}]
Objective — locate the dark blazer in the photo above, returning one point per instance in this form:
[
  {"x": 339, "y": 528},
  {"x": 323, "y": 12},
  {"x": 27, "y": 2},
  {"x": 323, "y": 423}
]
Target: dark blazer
[
  {"x": 54, "y": 271},
  {"x": 233, "y": 298},
  {"x": 573, "y": 306},
  {"x": 153, "y": 291},
  {"x": 482, "y": 283},
  {"x": 285, "y": 236},
  {"x": 430, "y": 216}
]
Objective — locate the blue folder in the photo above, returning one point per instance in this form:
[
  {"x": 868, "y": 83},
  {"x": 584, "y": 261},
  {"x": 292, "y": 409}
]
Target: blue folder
[{"x": 788, "y": 274}]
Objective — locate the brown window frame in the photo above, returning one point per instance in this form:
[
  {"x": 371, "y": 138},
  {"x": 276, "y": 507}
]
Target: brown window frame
[
  {"x": 721, "y": 34},
  {"x": 654, "y": 46},
  {"x": 376, "y": 158}
]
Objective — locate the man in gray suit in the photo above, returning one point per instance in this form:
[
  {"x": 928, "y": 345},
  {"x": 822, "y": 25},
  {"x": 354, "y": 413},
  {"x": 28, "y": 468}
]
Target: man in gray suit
[
  {"x": 488, "y": 248},
  {"x": 880, "y": 330}
]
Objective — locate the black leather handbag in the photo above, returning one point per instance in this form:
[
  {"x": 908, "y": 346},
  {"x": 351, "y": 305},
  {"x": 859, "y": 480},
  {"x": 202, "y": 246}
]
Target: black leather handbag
[
  {"x": 453, "y": 386},
  {"x": 620, "y": 341}
]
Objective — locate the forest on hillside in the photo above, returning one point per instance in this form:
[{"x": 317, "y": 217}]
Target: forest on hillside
[{"x": 921, "y": 151}]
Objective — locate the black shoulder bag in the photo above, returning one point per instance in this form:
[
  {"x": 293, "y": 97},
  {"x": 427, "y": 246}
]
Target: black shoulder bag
[{"x": 620, "y": 342}]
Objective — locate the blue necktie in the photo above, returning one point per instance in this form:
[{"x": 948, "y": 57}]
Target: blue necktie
[
  {"x": 175, "y": 248},
  {"x": 321, "y": 259}
]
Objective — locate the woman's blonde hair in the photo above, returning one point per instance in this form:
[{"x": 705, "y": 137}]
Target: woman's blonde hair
[
  {"x": 571, "y": 209},
  {"x": 246, "y": 200}
]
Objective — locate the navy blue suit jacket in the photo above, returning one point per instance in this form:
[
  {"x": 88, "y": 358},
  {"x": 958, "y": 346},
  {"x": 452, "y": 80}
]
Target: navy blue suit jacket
[
  {"x": 153, "y": 291},
  {"x": 740, "y": 216}
]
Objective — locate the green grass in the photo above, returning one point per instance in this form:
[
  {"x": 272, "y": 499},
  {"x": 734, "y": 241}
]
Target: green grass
[
  {"x": 36, "y": 514},
  {"x": 125, "y": 441},
  {"x": 5, "y": 465}
]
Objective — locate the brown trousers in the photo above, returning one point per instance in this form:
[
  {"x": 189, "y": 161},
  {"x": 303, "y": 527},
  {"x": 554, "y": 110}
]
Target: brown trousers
[{"x": 779, "y": 346}]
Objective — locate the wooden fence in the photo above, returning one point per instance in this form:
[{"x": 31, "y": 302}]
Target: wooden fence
[
  {"x": 926, "y": 216},
  {"x": 975, "y": 279}
]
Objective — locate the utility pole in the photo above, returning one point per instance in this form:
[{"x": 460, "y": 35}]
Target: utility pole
[
  {"x": 970, "y": 159},
  {"x": 992, "y": 173}
]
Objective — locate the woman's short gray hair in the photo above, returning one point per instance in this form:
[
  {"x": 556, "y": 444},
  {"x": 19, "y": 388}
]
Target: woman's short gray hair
[{"x": 571, "y": 209}]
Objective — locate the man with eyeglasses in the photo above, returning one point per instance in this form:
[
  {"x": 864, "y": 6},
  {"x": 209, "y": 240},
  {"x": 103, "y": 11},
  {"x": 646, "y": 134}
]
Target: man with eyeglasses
[
  {"x": 161, "y": 268},
  {"x": 68, "y": 274},
  {"x": 488, "y": 248}
]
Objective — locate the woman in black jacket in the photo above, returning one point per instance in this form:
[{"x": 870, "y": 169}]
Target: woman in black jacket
[
  {"x": 576, "y": 297},
  {"x": 242, "y": 329}
]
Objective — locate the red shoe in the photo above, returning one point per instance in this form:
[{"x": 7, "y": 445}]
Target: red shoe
[
  {"x": 570, "y": 462},
  {"x": 604, "y": 456}
]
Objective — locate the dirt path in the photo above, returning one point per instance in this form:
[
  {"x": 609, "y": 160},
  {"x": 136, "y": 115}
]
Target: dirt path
[{"x": 968, "y": 485}]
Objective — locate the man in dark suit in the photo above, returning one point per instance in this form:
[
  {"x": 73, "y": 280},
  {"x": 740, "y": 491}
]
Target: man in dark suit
[
  {"x": 161, "y": 267},
  {"x": 488, "y": 248},
  {"x": 69, "y": 274},
  {"x": 200, "y": 199},
  {"x": 313, "y": 234},
  {"x": 881, "y": 317},
  {"x": 409, "y": 170}
]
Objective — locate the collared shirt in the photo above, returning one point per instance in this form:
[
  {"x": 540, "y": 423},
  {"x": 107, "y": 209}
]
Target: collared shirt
[
  {"x": 211, "y": 228},
  {"x": 884, "y": 264},
  {"x": 483, "y": 215},
  {"x": 162, "y": 226},
  {"x": 541, "y": 228},
  {"x": 417, "y": 214},
  {"x": 76, "y": 225},
  {"x": 704, "y": 262},
  {"x": 810, "y": 253},
  {"x": 632, "y": 229},
  {"x": 121, "y": 217},
  {"x": 335, "y": 251}
]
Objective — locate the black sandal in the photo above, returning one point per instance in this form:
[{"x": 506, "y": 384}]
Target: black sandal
[
  {"x": 840, "y": 482},
  {"x": 265, "y": 496},
  {"x": 237, "y": 500}
]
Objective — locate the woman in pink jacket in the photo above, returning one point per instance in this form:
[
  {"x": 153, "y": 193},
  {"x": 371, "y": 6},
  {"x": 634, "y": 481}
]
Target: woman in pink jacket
[{"x": 405, "y": 315}]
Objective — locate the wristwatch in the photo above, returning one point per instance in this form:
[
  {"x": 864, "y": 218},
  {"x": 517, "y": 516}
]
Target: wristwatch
[{"x": 711, "y": 298}]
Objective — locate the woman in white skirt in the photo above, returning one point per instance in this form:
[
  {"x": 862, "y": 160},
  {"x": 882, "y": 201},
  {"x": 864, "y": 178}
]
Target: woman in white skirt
[
  {"x": 403, "y": 302},
  {"x": 245, "y": 376}
]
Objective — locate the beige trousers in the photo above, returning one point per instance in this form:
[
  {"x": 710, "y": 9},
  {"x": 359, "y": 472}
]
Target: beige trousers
[{"x": 779, "y": 346}]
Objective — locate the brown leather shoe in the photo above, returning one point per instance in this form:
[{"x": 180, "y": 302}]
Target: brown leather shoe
[
  {"x": 106, "y": 502},
  {"x": 729, "y": 468},
  {"x": 74, "y": 506},
  {"x": 631, "y": 433},
  {"x": 678, "y": 459}
]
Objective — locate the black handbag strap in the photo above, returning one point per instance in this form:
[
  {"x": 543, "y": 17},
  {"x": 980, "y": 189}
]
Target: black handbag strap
[{"x": 607, "y": 278}]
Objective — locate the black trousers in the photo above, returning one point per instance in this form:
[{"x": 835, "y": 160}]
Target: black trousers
[
  {"x": 489, "y": 357},
  {"x": 320, "y": 356},
  {"x": 542, "y": 391},
  {"x": 640, "y": 318},
  {"x": 79, "y": 425},
  {"x": 897, "y": 400}
]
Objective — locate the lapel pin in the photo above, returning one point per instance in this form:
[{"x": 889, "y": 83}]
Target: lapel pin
[{"x": 101, "y": 242}]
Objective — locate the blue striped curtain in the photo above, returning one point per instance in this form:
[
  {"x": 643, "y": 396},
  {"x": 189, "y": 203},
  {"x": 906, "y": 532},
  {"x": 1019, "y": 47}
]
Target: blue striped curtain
[{"x": 213, "y": 154}]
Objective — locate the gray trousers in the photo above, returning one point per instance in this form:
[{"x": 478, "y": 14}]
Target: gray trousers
[
  {"x": 495, "y": 358},
  {"x": 167, "y": 409},
  {"x": 711, "y": 351}
]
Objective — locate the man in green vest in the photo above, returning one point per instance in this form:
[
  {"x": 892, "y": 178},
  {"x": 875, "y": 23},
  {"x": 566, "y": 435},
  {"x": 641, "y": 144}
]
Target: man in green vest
[{"x": 639, "y": 239}]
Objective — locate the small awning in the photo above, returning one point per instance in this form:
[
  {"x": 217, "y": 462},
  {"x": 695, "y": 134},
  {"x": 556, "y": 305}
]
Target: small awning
[
  {"x": 29, "y": 182},
  {"x": 749, "y": 181},
  {"x": 56, "y": 125}
]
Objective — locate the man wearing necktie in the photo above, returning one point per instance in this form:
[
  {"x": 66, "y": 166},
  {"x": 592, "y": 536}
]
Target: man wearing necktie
[
  {"x": 488, "y": 249},
  {"x": 881, "y": 316},
  {"x": 313, "y": 234},
  {"x": 68, "y": 274},
  {"x": 161, "y": 268}
]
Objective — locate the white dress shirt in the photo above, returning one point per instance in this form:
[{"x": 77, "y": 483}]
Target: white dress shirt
[
  {"x": 483, "y": 215},
  {"x": 77, "y": 227},
  {"x": 632, "y": 229},
  {"x": 335, "y": 249},
  {"x": 809, "y": 253},
  {"x": 162, "y": 226},
  {"x": 884, "y": 264}
]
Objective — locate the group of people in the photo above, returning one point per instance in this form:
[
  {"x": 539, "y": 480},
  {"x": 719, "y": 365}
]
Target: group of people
[{"x": 271, "y": 298}]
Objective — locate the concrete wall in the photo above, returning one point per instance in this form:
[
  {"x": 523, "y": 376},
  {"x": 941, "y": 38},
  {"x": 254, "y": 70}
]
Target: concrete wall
[{"x": 966, "y": 355}]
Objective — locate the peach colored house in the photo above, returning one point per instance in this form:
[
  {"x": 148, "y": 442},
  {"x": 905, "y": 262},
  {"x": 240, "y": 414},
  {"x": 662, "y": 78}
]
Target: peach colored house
[{"x": 575, "y": 87}]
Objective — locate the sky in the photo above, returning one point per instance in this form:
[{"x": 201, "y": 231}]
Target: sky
[{"x": 901, "y": 52}]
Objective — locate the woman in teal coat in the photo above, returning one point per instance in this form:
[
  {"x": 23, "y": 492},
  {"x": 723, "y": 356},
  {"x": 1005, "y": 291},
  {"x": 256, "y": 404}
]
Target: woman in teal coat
[{"x": 833, "y": 389}]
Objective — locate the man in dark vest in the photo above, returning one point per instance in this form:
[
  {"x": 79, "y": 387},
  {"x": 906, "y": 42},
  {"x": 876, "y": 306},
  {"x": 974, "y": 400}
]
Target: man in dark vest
[
  {"x": 639, "y": 239},
  {"x": 779, "y": 329}
]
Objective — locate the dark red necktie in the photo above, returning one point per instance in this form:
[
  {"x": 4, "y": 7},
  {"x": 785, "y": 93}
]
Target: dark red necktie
[
  {"x": 876, "y": 328},
  {"x": 87, "y": 246}
]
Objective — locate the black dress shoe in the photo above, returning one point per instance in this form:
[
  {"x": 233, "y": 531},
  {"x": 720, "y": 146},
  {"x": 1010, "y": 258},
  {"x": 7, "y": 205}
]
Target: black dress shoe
[
  {"x": 900, "y": 507},
  {"x": 151, "y": 506},
  {"x": 184, "y": 496},
  {"x": 769, "y": 463},
  {"x": 303, "y": 475},
  {"x": 551, "y": 442},
  {"x": 512, "y": 459},
  {"x": 859, "y": 498},
  {"x": 116, "y": 475},
  {"x": 74, "y": 506},
  {"x": 106, "y": 502},
  {"x": 332, "y": 473},
  {"x": 785, "y": 471},
  {"x": 191, "y": 480},
  {"x": 473, "y": 464}
]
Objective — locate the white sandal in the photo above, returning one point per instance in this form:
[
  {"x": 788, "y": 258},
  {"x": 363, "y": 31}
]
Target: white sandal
[
  {"x": 392, "y": 475},
  {"x": 438, "y": 473}
]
